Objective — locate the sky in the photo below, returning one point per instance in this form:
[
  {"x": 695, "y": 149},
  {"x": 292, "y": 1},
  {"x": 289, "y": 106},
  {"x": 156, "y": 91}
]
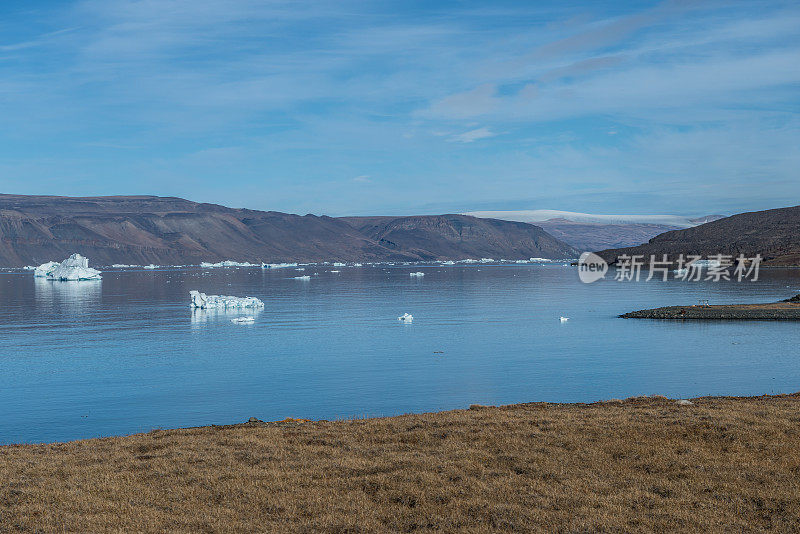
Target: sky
[{"x": 361, "y": 107}]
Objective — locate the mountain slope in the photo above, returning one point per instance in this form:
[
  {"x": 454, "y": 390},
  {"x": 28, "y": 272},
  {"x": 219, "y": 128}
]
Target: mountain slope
[
  {"x": 775, "y": 234},
  {"x": 145, "y": 229},
  {"x": 596, "y": 236},
  {"x": 461, "y": 236}
]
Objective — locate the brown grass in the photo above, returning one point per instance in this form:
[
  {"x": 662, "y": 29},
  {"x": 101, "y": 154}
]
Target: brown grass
[{"x": 645, "y": 464}]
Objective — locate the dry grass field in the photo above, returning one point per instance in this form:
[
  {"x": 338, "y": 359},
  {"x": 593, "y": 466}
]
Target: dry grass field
[{"x": 640, "y": 465}]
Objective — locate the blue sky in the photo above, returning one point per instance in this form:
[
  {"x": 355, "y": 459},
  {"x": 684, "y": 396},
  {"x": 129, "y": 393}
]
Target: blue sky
[{"x": 686, "y": 107}]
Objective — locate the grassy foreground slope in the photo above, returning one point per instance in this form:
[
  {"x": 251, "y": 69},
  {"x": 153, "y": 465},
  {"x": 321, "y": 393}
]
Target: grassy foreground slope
[{"x": 645, "y": 464}]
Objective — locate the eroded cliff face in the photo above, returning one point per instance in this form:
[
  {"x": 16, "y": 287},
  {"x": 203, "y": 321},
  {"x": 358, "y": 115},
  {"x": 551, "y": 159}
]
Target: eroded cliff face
[
  {"x": 174, "y": 231},
  {"x": 774, "y": 234}
]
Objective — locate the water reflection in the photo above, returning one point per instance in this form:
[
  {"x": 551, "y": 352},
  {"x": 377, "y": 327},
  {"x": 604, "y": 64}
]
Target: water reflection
[
  {"x": 68, "y": 294},
  {"x": 202, "y": 316}
]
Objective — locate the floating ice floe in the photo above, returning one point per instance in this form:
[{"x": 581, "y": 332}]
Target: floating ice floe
[
  {"x": 416, "y": 274},
  {"x": 357, "y": 265},
  {"x": 449, "y": 262},
  {"x": 406, "y": 318},
  {"x": 122, "y": 266},
  {"x": 539, "y": 260},
  {"x": 228, "y": 263},
  {"x": 563, "y": 319},
  {"x": 521, "y": 261},
  {"x": 208, "y": 302},
  {"x": 306, "y": 277},
  {"x": 45, "y": 269},
  {"x": 468, "y": 261},
  {"x": 486, "y": 260},
  {"x": 76, "y": 267},
  {"x": 247, "y": 319},
  {"x": 334, "y": 271},
  {"x": 277, "y": 265},
  {"x": 151, "y": 266},
  {"x": 337, "y": 264}
]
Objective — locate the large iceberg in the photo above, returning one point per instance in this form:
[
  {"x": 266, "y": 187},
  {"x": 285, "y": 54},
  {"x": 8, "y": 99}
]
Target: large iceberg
[
  {"x": 76, "y": 267},
  {"x": 45, "y": 269},
  {"x": 207, "y": 302}
]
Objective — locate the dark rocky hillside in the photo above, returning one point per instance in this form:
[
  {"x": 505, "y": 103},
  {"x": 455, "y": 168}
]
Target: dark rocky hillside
[
  {"x": 775, "y": 234},
  {"x": 174, "y": 231}
]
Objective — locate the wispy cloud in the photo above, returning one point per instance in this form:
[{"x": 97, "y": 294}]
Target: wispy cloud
[
  {"x": 295, "y": 98},
  {"x": 473, "y": 135}
]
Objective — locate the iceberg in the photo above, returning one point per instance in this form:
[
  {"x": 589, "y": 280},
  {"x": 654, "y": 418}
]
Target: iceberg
[
  {"x": 227, "y": 263},
  {"x": 417, "y": 274},
  {"x": 207, "y": 302},
  {"x": 122, "y": 266},
  {"x": 76, "y": 267},
  {"x": 486, "y": 260},
  {"x": 45, "y": 269},
  {"x": 563, "y": 319},
  {"x": 406, "y": 318},
  {"x": 306, "y": 277},
  {"x": 358, "y": 265},
  {"x": 247, "y": 319},
  {"x": 277, "y": 265},
  {"x": 151, "y": 266},
  {"x": 539, "y": 260},
  {"x": 449, "y": 262},
  {"x": 338, "y": 264}
]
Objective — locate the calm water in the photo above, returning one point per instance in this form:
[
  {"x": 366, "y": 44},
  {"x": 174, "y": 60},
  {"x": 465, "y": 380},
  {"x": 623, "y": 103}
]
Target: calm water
[{"x": 126, "y": 354}]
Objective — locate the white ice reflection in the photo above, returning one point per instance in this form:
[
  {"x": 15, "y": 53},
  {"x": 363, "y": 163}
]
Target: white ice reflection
[
  {"x": 201, "y": 316},
  {"x": 70, "y": 295}
]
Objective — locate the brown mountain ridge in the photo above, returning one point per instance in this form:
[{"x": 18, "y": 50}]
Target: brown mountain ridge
[
  {"x": 175, "y": 231},
  {"x": 774, "y": 234}
]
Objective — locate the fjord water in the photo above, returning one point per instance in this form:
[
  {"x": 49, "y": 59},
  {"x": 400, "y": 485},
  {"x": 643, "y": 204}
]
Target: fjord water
[{"x": 126, "y": 354}]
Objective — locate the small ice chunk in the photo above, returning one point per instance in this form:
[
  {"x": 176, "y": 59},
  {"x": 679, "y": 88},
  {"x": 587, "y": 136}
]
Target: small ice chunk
[
  {"x": 449, "y": 262},
  {"x": 306, "y": 277},
  {"x": 151, "y": 266},
  {"x": 334, "y": 271},
  {"x": 563, "y": 319},
  {"x": 277, "y": 265},
  {"x": 357, "y": 265},
  {"x": 416, "y": 274},
  {"x": 406, "y": 318},
  {"x": 227, "y": 263},
  {"x": 207, "y": 302},
  {"x": 247, "y": 319},
  {"x": 337, "y": 264}
]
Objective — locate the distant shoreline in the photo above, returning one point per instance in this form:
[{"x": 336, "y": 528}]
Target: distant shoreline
[{"x": 788, "y": 310}]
